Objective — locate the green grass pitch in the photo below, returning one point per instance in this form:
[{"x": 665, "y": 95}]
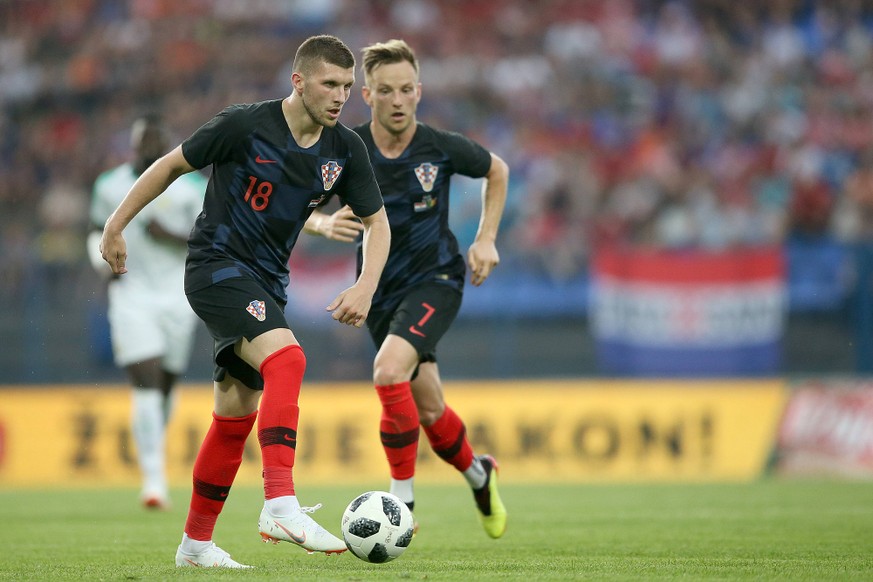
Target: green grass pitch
[{"x": 768, "y": 530}]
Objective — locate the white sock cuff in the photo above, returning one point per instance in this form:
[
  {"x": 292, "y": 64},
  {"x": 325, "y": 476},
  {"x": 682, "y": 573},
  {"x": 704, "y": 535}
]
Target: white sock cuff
[
  {"x": 192, "y": 547},
  {"x": 282, "y": 506},
  {"x": 403, "y": 489},
  {"x": 475, "y": 474},
  {"x": 148, "y": 396}
]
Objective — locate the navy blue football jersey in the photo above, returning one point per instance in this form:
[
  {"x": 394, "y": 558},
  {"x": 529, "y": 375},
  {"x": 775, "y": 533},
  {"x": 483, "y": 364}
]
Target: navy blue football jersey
[
  {"x": 263, "y": 188},
  {"x": 415, "y": 188}
]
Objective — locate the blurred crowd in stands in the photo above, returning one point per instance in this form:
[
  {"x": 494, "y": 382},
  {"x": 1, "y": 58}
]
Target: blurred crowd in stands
[{"x": 697, "y": 123}]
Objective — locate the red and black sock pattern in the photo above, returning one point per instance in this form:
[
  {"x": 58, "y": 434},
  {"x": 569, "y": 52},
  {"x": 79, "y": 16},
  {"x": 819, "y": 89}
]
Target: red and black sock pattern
[
  {"x": 398, "y": 428},
  {"x": 217, "y": 462},
  {"x": 277, "y": 424},
  {"x": 448, "y": 439}
]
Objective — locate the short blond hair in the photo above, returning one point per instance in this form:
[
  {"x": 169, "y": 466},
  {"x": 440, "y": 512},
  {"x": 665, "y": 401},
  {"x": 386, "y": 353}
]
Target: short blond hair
[{"x": 386, "y": 53}]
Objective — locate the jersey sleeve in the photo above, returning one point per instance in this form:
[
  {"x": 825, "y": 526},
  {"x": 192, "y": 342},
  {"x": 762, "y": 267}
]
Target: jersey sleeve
[
  {"x": 216, "y": 140},
  {"x": 468, "y": 157},
  {"x": 360, "y": 189}
]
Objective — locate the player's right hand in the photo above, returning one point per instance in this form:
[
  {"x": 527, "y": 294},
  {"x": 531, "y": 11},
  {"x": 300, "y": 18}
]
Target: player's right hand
[
  {"x": 342, "y": 225},
  {"x": 113, "y": 249},
  {"x": 351, "y": 306}
]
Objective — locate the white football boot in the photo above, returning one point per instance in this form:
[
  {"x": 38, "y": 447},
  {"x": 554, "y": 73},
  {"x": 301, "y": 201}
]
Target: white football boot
[
  {"x": 211, "y": 557},
  {"x": 299, "y": 529}
]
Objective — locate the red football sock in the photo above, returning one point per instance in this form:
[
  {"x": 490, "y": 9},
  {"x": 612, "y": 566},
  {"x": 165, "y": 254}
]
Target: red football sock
[
  {"x": 277, "y": 424},
  {"x": 217, "y": 462},
  {"x": 448, "y": 439},
  {"x": 398, "y": 428}
]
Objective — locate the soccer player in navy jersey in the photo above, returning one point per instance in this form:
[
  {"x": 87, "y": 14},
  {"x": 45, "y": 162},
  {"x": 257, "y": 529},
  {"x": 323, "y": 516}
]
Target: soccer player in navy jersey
[
  {"x": 272, "y": 163},
  {"x": 420, "y": 291}
]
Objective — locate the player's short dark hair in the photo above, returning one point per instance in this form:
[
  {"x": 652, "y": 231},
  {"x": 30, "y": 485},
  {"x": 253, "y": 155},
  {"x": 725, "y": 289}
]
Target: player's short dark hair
[
  {"x": 386, "y": 53},
  {"x": 322, "y": 48}
]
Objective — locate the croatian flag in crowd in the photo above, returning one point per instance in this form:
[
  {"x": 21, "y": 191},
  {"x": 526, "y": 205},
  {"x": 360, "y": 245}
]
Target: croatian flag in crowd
[{"x": 688, "y": 313}]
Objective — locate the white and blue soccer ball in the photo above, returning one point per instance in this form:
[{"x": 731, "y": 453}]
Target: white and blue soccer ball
[{"x": 377, "y": 527}]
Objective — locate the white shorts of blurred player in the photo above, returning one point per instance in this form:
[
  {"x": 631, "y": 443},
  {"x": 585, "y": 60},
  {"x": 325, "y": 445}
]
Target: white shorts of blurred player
[{"x": 146, "y": 325}]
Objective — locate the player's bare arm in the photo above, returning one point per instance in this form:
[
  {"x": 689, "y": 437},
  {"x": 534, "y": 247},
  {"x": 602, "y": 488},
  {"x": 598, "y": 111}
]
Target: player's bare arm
[
  {"x": 341, "y": 225},
  {"x": 148, "y": 186},
  {"x": 353, "y": 305},
  {"x": 482, "y": 255}
]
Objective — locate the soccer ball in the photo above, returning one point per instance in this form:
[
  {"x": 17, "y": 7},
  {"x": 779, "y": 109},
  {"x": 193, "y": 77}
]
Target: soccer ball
[{"x": 377, "y": 527}]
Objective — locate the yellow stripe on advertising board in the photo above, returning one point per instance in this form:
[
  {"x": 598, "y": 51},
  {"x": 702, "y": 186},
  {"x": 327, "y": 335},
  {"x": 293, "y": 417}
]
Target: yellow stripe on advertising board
[{"x": 576, "y": 431}]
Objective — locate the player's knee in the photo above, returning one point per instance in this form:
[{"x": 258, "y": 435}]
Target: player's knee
[
  {"x": 387, "y": 376},
  {"x": 386, "y": 371},
  {"x": 146, "y": 374},
  {"x": 428, "y": 416},
  {"x": 430, "y": 409}
]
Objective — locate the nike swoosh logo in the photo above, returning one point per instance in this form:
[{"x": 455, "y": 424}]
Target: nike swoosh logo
[
  {"x": 296, "y": 539},
  {"x": 288, "y": 438},
  {"x": 429, "y": 310},
  {"x": 260, "y": 160}
]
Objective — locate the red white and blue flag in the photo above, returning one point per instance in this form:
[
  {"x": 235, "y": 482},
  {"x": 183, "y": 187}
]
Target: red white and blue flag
[{"x": 688, "y": 313}]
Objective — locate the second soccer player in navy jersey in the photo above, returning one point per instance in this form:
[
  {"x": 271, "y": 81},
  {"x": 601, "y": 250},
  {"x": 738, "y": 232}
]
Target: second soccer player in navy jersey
[
  {"x": 420, "y": 292},
  {"x": 272, "y": 163}
]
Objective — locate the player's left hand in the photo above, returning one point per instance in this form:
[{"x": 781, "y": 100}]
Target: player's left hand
[
  {"x": 351, "y": 306},
  {"x": 482, "y": 257}
]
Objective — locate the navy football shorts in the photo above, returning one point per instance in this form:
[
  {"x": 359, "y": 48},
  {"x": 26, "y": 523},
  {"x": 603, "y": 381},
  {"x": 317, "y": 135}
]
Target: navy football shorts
[
  {"x": 422, "y": 317},
  {"x": 233, "y": 309}
]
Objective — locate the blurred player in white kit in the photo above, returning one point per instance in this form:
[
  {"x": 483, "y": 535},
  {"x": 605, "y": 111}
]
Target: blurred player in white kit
[{"x": 152, "y": 326}]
